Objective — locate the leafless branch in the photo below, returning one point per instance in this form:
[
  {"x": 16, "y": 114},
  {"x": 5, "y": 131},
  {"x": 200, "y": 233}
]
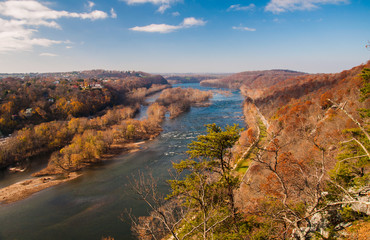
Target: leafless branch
[{"x": 341, "y": 107}]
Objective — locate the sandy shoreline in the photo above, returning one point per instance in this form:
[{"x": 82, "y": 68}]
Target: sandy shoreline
[
  {"x": 23, "y": 189},
  {"x": 26, "y": 188}
]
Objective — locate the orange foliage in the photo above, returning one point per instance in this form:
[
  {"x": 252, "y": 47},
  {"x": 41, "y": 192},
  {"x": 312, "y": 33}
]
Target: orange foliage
[{"x": 324, "y": 100}]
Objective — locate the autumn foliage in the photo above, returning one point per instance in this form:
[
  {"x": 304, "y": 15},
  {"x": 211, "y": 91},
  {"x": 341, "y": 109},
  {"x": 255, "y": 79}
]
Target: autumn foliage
[
  {"x": 315, "y": 149},
  {"x": 179, "y": 100},
  {"x": 40, "y": 99}
]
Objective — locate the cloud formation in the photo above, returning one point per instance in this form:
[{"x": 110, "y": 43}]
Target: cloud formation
[
  {"x": 163, "y": 4},
  {"x": 163, "y": 8},
  {"x": 165, "y": 28},
  {"x": 90, "y": 5},
  {"x": 175, "y": 14},
  {"x": 159, "y": 28},
  {"x": 238, "y": 7},
  {"x": 17, "y": 35},
  {"x": 157, "y": 2},
  {"x": 279, "y": 6},
  {"x": 48, "y": 55},
  {"x": 245, "y": 29},
  {"x": 113, "y": 13},
  {"x": 33, "y": 10},
  {"x": 19, "y": 20}
]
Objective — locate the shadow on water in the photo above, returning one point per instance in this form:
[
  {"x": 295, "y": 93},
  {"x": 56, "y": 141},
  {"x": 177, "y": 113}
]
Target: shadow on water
[
  {"x": 89, "y": 207},
  {"x": 35, "y": 165}
]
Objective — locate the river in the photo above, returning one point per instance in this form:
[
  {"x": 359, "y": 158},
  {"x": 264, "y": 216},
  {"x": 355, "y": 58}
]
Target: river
[{"x": 89, "y": 207}]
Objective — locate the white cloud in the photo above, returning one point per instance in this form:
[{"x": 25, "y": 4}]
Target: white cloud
[
  {"x": 33, "y": 10},
  {"x": 163, "y": 8},
  {"x": 279, "y": 6},
  {"x": 164, "y": 4},
  {"x": 89, "y": 5},
  {"x": 238, "y": 7},
  {"x": 165, "y": 28},
  {"x": 159, "y": 28},
  {"x": 113, "y": 14},
  {"x": 156, "y": 2},
  {"x": 20, "y": 19},
  {"x": 189, "y": 22},
  {"x": 94, "y": 15},
  {"x": 14, "y": 35},
  {"x": 175, "y": 14},
  {"x": 48, "y": 55},
  {"x": 245, "y": 29}
]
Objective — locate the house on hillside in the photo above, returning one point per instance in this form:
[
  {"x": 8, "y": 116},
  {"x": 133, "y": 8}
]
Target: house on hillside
[
  {"x": 97, "y": 86},
  {"x": 28, "y": 112}
]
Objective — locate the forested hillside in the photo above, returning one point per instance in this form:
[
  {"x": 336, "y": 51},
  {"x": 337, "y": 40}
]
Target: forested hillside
[
  {"x": 191, "y": 78},
  {"x": 252, "y": 79},
  {"x": 48, "y": 114},
  {"x": 25, "y": 101},
  {"x": 313, "y": 163},
  {"x": 299, "y": 171}
]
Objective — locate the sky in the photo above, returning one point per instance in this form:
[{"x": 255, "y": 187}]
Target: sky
[{"x": 183, "y": 36}]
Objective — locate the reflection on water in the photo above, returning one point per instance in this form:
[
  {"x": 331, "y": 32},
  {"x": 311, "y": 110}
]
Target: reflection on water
[
  {"x": 89, "y": 207},
  {"x": 7, "y": 178}
]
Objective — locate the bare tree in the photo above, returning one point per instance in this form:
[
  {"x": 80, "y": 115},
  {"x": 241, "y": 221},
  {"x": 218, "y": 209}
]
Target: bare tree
[
  {"x": 182, "y": 216},
  {"x": 164, "y": 216},
  {"x": 299, "y": 182}
]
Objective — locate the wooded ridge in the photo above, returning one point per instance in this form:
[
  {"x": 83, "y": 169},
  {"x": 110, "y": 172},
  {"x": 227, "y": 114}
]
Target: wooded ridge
[{"x": 299, "y": 171}]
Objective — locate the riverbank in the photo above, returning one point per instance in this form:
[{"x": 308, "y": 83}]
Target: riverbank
[
  {"x": 25, "y": 188},
  {"x": 88, "y": 207}
]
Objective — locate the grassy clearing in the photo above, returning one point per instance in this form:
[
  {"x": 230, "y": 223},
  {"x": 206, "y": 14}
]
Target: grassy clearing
[{"x": 243, "y": 163}]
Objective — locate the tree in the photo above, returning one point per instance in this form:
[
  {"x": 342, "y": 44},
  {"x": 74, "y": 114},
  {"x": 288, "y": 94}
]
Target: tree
[
  {"x": 365, "y": 90},
  {"x": 204, "y": 193},
  {"x": 214, "y": 147},
  {"x": 164, "y": 216},
  {"x": 208, "y": 187},
  {"x": 204, "y": 196},
  {"x": 303, "y": 194},
  {"x": 156, "y": 113},
  {"x": 295, "y": 186}
]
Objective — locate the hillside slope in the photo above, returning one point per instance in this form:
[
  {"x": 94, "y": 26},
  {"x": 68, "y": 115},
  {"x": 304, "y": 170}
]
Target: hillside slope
[
  {"x": 316, "y": 144},
  {"x": 300, "y": 171},
  {"x": 252, "y": 79},
  {"x": 47, "y": 97}
]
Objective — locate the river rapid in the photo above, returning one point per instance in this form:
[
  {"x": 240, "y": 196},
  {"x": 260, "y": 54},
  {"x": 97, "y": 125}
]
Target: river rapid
[{"x": 89, "y": 207}]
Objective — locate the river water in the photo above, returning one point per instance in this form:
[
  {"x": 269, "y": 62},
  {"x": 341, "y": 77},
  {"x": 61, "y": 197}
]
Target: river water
[{"x": 89, "y": 207}]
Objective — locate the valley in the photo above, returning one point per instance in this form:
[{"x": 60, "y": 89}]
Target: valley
[{"x": 292, "y": 148}]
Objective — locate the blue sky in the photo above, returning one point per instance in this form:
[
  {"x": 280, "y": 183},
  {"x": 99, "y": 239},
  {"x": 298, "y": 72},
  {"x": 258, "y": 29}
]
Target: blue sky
[{"x": 202, "y": 36}]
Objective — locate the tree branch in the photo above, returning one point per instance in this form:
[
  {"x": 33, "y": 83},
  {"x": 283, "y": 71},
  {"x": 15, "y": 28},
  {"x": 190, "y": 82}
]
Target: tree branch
[{"x": 351, "y": 117}]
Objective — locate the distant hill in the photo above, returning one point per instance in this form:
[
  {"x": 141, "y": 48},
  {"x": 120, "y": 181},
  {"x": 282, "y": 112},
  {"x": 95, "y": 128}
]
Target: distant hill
[
  {"x": 252, "y": 79},
  {"x": 309, "y": 86},
  {"x": 176, "y": 78},
  {"x": 43, "y": 97},
  {"x": 97, "y": 74}
]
